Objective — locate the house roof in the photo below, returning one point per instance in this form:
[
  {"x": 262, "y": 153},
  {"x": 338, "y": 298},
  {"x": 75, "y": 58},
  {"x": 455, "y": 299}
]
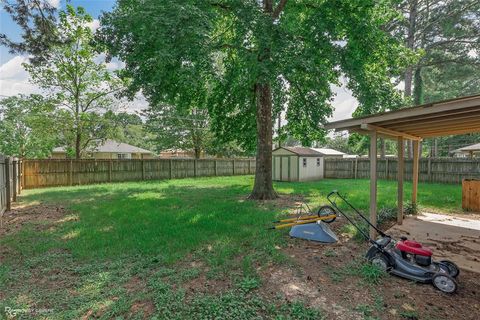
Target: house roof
[
  {"x": 473, "y": 147},
  {"x": 329, "y": 152},
  {"x": 111, "y": 146},
  {"x": 301, "y": 151},
  {"x": 449, "y": 117}
]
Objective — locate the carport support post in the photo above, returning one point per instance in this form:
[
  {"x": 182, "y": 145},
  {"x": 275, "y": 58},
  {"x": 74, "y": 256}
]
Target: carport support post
[
  {"x": 416, "y": 157},
  {"x": 400, "y": 170},
  {"x": 373, "y": 182}
]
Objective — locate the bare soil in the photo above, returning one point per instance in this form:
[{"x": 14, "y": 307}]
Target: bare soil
[
  {"x": 40, "y": 215},
  {"x": 318, "y": 275}
]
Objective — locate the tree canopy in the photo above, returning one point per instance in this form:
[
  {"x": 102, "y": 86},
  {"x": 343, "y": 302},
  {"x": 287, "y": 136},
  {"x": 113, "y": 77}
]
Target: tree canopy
[
  {"x": 248, "y": 60},
  {"x": 81, "y": 86},
  {"x": 37, "y": 22},
  {"x": 27, "y": 126}
]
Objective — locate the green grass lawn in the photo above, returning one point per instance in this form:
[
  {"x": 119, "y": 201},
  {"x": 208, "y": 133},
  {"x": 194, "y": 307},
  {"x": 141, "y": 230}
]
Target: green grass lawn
[{"x": 83, "y": 262}]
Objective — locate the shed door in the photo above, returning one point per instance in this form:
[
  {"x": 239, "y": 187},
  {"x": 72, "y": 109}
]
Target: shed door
[
  {"x": 285, "y": 169},
  {"x": 276, "y": 168}
]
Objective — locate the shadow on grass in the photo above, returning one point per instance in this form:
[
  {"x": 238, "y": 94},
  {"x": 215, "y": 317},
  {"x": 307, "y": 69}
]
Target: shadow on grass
[
  {"x": 176, "y": 217},
  {"x": 161, "y": 219}
]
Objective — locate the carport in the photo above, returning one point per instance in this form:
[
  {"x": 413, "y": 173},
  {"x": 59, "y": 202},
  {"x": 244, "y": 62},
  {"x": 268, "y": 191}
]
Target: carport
[{"x": 444, "y": 118}]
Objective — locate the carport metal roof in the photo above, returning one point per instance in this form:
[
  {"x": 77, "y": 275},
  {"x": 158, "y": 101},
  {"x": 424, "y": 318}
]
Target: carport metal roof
[{"x": 449, "y": 117}]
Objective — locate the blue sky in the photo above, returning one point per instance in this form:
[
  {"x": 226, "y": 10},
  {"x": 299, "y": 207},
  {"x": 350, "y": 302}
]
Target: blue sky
[
  {"x": 7, "y": 26},
  {"x": 14, "y": 80}
]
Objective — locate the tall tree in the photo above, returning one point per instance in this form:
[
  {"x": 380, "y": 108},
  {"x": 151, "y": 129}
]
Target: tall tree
[
  {"x": 37, "y": 22},
  {"x": 252, "y": 59},
  {"x": 27, "y": 126},
  {"x": 130, "y": 128},
  {"x": 80, "y": 85},
  {"x": 172, "y": 128},
  {"x": 446, "y": 32}
]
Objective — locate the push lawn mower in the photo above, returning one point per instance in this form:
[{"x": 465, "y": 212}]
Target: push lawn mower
[
  {"x": 404, "y": 258},
  {"x": 310, "y": 226}
]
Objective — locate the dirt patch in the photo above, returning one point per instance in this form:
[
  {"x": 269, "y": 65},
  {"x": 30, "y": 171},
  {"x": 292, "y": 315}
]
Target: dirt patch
[
  {"x": 42, "y": 216},
  {"x": 284, "y": 202},
  {"x": 322, "y": 277},
  {"x": 147, "y": 308}
]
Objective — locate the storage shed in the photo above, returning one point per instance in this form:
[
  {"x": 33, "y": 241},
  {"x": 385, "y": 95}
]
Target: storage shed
[{"x": 297, "y": 164}]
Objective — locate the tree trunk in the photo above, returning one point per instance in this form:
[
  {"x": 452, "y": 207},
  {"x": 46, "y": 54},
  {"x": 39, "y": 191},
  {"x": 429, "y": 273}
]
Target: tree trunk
[
  {"x": 418, "y": 98},
  {"x": 263, "y": 186},
  {"x": 278, "y": 130},
  {"x": 408, "y": 82},
  {"x": 412, "y": 19},
  {"x": 198, "y": 153},
  {"x": 382, "y": 148},
  {"x": 77, "y": 146}
]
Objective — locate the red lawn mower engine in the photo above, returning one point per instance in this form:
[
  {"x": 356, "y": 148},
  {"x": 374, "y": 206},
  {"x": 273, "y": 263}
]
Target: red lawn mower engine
[{"x": 415, "y": 252}]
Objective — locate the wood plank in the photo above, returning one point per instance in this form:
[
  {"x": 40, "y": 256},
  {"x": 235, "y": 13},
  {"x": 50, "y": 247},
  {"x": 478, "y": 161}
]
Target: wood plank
[
  {"x": 414, "y": 113},
  {"x": 451, "y": 132},
  {"x": 389, "y": 132},
  {"x": 400, "y": 172},
  {"x": 373, "y": 183},
  {"x": 431, "y": 117},
  {"x": 425, "y": 124},
  {"x": 416, "y": 157}
]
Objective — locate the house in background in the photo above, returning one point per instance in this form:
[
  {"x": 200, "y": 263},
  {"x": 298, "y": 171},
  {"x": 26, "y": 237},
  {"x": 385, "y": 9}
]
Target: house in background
[
  {"x": 472, "y": 151},
  {"x": 297, "y": 164},
  {"x": 109, "y": 149},
  {"x": 176, "y": 153}
]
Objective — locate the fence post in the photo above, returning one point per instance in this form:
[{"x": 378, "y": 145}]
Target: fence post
[
  {"x": 356, "y": 167},
  {"x": 143, "y": 170},
  {"x": 170, "y": 169},
  {"x": 110, "y": 164},
  {"x": 429, "y": 169},
  {"x": 8, "y": 191},
  {"x": 70, "y": 173},
  {"x": 353, "y": 168},
  {"x": 249, "y": 167},
  {"x": 215, "y": 166},
  {"x": 22, "y": 185},
  {"x": 233, "y": 167},
  {"x": 20, "y": 175},
  {"x": 386, "y": 168},
  {"x": 14, "y": 179},
  {"x": 194, "y": 168}
]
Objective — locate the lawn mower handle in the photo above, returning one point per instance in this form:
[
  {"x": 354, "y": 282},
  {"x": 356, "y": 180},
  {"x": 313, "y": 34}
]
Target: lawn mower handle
[{"x": 333, "y": 203}]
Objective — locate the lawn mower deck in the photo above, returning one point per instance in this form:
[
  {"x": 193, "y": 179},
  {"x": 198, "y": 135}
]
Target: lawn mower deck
[{"x": 404, "y": 258}]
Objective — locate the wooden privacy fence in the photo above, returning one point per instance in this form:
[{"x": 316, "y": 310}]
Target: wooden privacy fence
[
  {"x": 441, "y": 170},
  {"x": 49, "y": 173},
  {"x": 10, "y": 182}
]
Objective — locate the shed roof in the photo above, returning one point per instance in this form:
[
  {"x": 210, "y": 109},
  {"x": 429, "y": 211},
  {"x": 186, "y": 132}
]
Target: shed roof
[
  {"x": 329, "y": 152},
  {"x": 301, "y": 151},
  {"x": 111, "y": 146},
  {"x": 449, "y": 117}
]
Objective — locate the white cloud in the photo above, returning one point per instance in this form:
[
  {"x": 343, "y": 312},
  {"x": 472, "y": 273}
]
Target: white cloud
[
  {"x": 14, "y": 78},
  {"x": 54, "y": 3},
  {"x": 94, "y": 25},
  {"x": 344, "y": 103}
]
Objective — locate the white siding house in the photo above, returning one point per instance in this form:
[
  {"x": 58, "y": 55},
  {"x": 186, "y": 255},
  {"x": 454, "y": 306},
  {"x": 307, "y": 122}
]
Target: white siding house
[{"x": 297, "y": 164}]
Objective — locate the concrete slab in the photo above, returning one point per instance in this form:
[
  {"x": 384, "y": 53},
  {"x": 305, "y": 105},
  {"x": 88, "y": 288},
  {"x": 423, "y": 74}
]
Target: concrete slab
[{"x": 452, "y": 237}]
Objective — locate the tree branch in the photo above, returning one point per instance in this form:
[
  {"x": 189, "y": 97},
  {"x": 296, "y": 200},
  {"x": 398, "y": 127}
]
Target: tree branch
[{"x": 278, "y": 10}]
